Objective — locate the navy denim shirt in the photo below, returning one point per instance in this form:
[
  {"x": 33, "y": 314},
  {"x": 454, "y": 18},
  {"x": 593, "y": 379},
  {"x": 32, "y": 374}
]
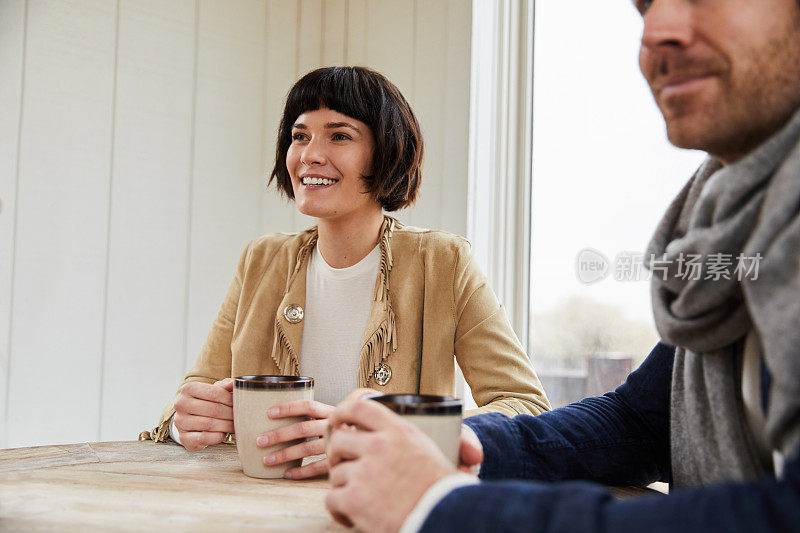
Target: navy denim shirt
[{"x": 620, "y": 438}]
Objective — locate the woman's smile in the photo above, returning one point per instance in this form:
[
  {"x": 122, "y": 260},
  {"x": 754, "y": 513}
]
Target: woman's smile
[{"x": 317, "y": 181}]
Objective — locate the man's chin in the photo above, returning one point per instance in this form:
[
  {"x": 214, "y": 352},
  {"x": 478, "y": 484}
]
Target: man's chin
[
  {"x": 691, "y": 132},
  {"x": 681, "y": 140}
]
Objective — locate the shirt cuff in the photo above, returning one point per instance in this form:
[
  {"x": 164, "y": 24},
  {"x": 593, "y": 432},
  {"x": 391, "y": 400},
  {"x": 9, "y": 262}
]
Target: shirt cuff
[
  {"x": 173, "y": 432},
  {"x": 432, "y": 497}
]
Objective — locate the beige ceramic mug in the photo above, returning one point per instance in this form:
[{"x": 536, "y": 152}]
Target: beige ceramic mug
[
  {"x": 439, "y": 417},
  {"x": 252, "y": 398}
]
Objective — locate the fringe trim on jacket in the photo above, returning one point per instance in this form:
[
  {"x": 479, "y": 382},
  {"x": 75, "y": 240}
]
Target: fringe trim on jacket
[
  {"x": 383, "y": 342},
  {"x": 287, "y": 361}
]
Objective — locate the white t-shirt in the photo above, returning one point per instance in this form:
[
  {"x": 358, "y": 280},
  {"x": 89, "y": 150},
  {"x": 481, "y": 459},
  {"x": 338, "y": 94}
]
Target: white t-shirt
[{"x": 338, "y": 304}]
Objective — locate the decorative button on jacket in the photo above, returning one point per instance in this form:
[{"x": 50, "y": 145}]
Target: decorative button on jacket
[
  {"x": 293, "y": 313},
  {"x": 382, "y": 374}
]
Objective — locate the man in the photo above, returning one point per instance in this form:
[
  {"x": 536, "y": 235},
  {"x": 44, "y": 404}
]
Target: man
[{"x": 718, "y": 415}]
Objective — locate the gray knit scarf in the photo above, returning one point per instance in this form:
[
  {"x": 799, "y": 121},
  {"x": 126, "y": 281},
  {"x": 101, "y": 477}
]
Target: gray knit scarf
[{"x": 748, "y": 208}]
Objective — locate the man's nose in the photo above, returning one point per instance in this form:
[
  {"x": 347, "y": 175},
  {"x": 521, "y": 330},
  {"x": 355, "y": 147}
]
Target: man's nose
[
  {"x": 313, "y": 153},
  {"x": 667, "y": 23}
]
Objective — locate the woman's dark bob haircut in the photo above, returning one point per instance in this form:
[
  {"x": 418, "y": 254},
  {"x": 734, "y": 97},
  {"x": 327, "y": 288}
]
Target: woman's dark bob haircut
[{"x": 365, "y": 95}]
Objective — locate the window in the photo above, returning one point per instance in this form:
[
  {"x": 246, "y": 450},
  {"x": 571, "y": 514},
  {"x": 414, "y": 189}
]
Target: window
[{"x": 603, "y": 174}]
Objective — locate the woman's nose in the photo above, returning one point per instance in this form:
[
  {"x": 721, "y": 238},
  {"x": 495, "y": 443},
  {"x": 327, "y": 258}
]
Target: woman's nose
[{"x": 313, "y": 154}]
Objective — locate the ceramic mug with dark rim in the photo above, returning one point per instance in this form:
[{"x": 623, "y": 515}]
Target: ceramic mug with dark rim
[
  {"x": 439, "y": 417},
  {"x": 252, "y": 398}
]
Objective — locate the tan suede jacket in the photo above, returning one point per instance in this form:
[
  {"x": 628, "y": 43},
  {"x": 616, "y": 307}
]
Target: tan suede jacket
[{"x": 432, "y": 305}]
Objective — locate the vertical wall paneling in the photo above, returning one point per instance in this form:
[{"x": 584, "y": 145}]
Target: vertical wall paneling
[
  {"x": 277, "y": 213},
  {"x": 309, "y": 56},
  {"x": 456, "y": 92},
  {"x": 106, "y": 277},
  {"x": 135, "y": 142},
  {"x": 309, "y": 41},
  {"x": 228, "y": 178},
  {"x": 266, "y": 133},
  {"x": 149, "y": 213},
  {"x": 390, "y": 50},
  {"x": 334, "y": 31},
  {"x": 429, "y": 105},
  {"x": 390, "y": 41},
  {"x": 12, "y": 52},
  {"x": 456, "y": 143},
  {"x": 356, "y": 36},
  {"x": 186, "y": 348},
  {"x": 62, "y": 222}
]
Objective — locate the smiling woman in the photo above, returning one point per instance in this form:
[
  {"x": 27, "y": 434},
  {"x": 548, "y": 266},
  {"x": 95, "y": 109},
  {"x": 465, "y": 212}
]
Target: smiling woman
[
  {"x": 359, "y": 300},
  {"x": 327, "y": 160}
]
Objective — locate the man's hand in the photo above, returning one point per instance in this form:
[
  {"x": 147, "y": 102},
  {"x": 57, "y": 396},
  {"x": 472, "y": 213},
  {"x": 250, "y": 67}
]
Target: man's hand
[
  {"x": 358, "y": 393},
  {"x": 381, "y": 466},
  {"x": 470, "y": 448},
  {"x": 470, "y": 451},
  {"x": 313, "y": 429},
  {"x": 204, "y": 413}
]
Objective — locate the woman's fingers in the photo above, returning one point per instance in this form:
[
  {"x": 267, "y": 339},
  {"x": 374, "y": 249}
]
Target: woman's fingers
[
  {"x": 226, "y": 384},
  {"x": 197, "y": 440},
  {"x": 317, "y": 468},
  {"x": 186, "y": 422},
  {"x": 308, "y": 408},
  {"x": 211, "y": 393},
  {"x": 195, "y": 406},
  {"x": 204, "y": 413},
  {"x": 297, "y": 451},
  {"x": 299, "y": 430}
]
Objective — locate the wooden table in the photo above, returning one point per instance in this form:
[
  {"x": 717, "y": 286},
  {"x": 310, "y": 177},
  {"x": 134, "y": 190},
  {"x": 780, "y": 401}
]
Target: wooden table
[{"x": 137, "y": 486}]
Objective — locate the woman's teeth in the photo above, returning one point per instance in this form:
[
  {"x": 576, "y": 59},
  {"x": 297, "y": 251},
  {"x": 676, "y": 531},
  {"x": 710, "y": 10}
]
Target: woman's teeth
[{"x": 318, "y": 181}]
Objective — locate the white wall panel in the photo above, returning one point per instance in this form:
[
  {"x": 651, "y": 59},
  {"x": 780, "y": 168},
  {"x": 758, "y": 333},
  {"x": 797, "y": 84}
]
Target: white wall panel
[
  {"x": 356, "y": 34},
  {"x": 390, "y": 41},
  {"x": 151, "y": 187},
  {"x": 309, "y": 45},
  {"x": 334, "y": 31},
  {"x": 430, "y": 51},
  {"x": 456, "y": 117},
  {"x": 62, "y": 222},
  {"x": 228, "y": 176},
  {"x": 391, "y": 51},
  {"x": 12, "y": 38},
  {"x": 277, "y": 213}
]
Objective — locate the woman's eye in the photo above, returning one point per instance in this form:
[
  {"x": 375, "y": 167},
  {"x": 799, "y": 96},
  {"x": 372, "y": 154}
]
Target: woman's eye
[
  {"x": 340, "y": 137},
  {"x": 299, "y": 137}
]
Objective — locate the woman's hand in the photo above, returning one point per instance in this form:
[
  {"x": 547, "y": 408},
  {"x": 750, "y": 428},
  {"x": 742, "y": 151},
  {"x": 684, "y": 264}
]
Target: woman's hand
[
  {"x": 314, "y": 429},
  {"x": 204, "y": 413}
]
